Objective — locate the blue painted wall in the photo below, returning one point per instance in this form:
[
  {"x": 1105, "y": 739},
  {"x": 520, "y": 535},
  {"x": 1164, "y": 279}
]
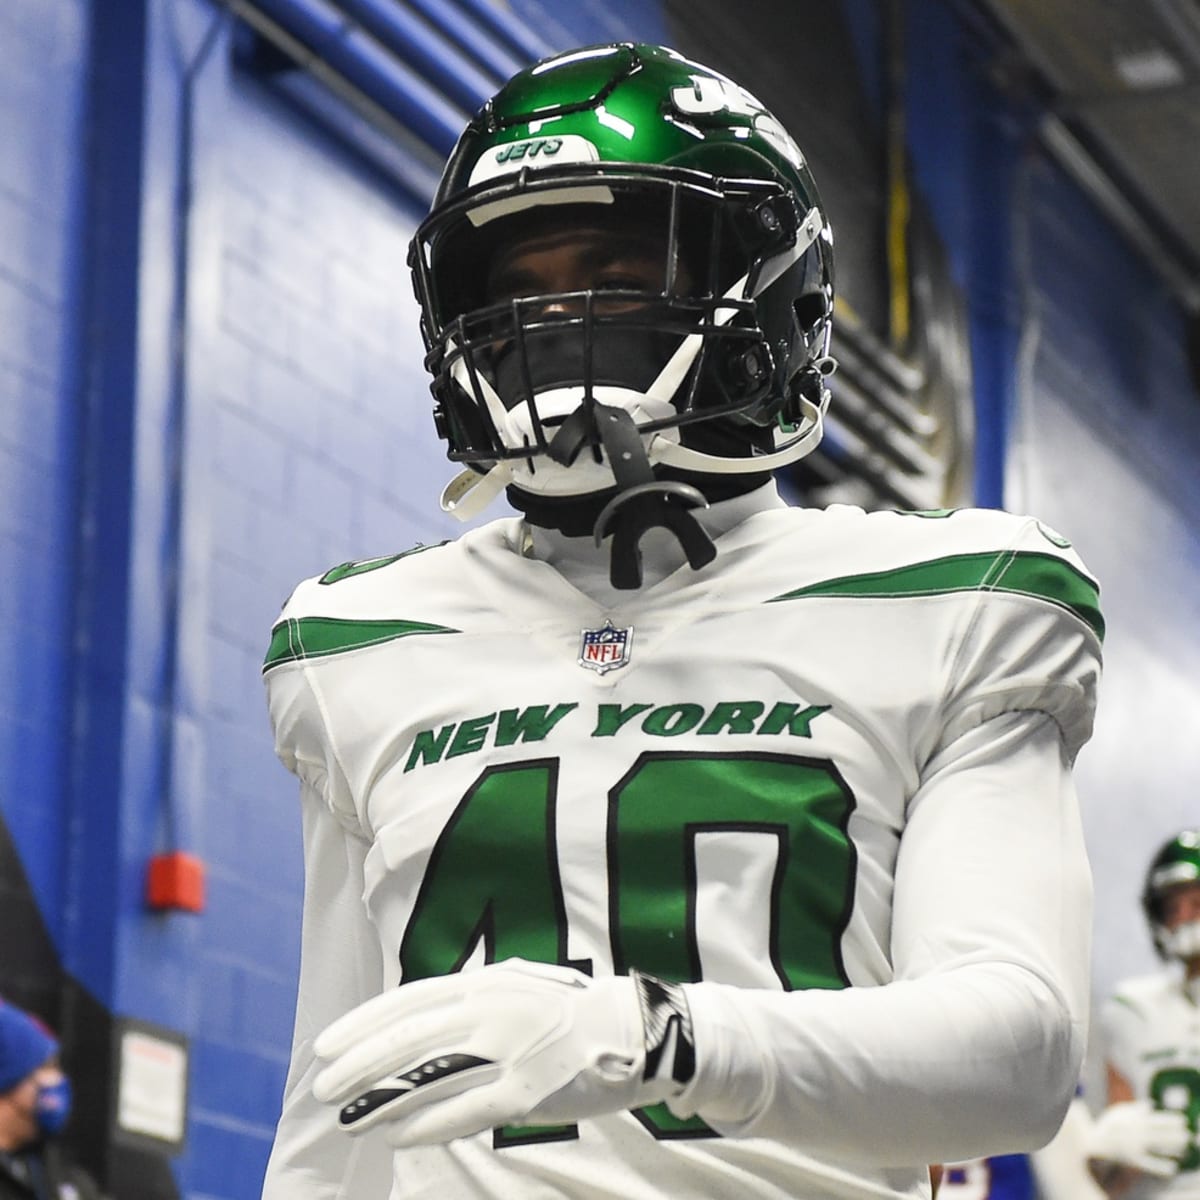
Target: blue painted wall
[
  {"x": 212, "y": 388},
  {"x": 43, "y": 57},
  {"x": 304, "y": 440}
]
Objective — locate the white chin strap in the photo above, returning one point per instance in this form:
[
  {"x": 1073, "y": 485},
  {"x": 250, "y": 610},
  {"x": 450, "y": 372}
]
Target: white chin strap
[
  {"x": 1182, "y": 942},
  {"x": 469, "y": 493}
]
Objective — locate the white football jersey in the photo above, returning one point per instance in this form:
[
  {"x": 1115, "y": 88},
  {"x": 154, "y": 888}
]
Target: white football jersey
[
  {"x": 1151, "y": 1029},
  {"x": 708, "y": 779}
]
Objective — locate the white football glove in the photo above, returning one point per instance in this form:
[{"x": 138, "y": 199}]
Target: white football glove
[
  {"x": 1135, "y": 1134},
  {"x": 514, "y": 1042}
]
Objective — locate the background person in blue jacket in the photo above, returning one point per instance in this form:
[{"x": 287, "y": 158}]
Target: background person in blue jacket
[{"x": 35, "y": 1103}]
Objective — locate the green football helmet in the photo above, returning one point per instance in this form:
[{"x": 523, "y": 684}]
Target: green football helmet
[
  {"x": 1178, "y": 861},
  {"x": 714, "y": 370}
]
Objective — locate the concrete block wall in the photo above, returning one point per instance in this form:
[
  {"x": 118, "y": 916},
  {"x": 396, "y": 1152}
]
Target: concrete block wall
[
  {"x": 309, "y": 442},
  {"x": 297, "y": 437},
  {"x": 43, "y": 50}
]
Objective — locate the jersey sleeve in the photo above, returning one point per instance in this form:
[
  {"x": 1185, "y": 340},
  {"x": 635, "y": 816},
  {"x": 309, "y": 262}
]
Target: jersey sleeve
[
  {"x": 340, "y": 967},
  {"x": 302, "y": 740},
  {"x": 976, "y": 1045},
  {"x": 1032, "y": 639}
]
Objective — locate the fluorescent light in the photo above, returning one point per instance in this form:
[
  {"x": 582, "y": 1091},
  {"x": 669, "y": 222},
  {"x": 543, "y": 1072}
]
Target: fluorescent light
[{"x": 1149, "y": 67}]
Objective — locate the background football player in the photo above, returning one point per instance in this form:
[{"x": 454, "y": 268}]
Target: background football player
[
  {"x": 667, "y": 840},
  {"x": 1144, "y": 1143}
]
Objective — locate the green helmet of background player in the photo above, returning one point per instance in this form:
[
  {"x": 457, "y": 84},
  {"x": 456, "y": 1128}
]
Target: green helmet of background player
[
  {"x": 1177, "y": 862},
  {"x": 636, "y": 406}
]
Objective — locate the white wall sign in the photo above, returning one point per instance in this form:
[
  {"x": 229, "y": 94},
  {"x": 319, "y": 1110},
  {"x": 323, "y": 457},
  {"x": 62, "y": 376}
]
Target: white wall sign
[{"x": 152, "y": 1086}]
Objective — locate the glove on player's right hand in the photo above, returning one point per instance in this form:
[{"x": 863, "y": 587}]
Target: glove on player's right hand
[{"x": 1135, "y": 1134}]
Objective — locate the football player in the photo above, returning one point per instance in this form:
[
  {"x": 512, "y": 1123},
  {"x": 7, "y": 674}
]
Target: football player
[
  {"x": 667, "y": 840},
  {"x": 1144, "y": 1142}
]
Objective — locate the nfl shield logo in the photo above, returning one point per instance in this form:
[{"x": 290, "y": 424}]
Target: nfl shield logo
[{"x": 605, "y": 649}]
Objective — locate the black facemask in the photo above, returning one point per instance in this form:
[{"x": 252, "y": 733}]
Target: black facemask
[{"x": 617, "y": 356}]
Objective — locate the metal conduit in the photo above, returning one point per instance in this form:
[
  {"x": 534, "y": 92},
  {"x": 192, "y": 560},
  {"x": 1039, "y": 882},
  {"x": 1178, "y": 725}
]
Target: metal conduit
[
  {"x": 427, "y": 65},
  {"x": 467, "y": 35},
  {"x": 1078, "y": 162},
  {"x": 412, "y": 41},
  {"x": 314, "y": 31},
  {"x": 510, "y": 30}
]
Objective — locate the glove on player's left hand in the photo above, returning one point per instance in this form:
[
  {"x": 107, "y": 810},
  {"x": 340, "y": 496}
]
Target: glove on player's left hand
[{"x": 511, "y": 1043}]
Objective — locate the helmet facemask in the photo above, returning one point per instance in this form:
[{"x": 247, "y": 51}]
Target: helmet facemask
[{"x": 681, "y": 349}]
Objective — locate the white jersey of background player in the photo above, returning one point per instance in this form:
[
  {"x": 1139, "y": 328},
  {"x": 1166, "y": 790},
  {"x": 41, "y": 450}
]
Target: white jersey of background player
[
  {"x": 732, "y": 853},
  {"x": 1144, "y": 1144}
]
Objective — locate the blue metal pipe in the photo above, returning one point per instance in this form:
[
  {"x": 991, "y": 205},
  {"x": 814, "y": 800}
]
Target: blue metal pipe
[
  {"x": 364, "y": 63},
  {"x": 467, "y": 35},
  {"x": 411, "y": 40},
  {"x": 509, "y": 29}
]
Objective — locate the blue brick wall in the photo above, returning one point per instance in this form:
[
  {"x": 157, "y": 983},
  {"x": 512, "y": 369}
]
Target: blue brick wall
[
  {"x": 42, "y": 55},
  {"x": 305, "y": 438},
  {"x": 309, "y": 442}
]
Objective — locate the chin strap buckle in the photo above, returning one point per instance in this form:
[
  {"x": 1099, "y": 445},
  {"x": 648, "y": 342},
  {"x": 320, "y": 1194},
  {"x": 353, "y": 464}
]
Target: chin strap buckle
[{"x": 642, "y": 502}]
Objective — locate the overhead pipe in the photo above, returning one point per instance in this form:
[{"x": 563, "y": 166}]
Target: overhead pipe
[
  {"x": 323, "y": 41},
  {"x": 1083, "y": 168},
  {"x": 344, "y": 114},
  {"x": 509, "y": 29},
  {"x": 412, "y": 41},
  {"x": 1081, "y": 164},
  {"x": 496, "y": 60}
]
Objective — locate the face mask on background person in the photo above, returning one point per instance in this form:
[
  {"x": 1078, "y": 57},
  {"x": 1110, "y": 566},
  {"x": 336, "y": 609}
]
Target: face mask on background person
[{"x": 52, "y": 1108}]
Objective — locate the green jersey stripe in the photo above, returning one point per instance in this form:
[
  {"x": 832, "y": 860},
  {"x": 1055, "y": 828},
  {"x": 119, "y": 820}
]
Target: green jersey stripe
[
  {"x": 317, "y": 637},
  {"x": 349, "y": 569},
  {"x": 1026, "y": 573}
]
